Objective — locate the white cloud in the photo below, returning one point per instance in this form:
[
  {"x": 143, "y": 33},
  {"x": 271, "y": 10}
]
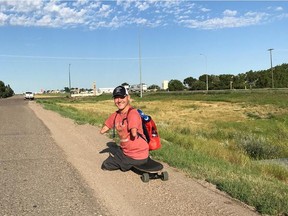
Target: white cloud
[
  {"x": 44, "y": 21},
  {"x": 80, "y": 2},
  {"x": 21, "y": 20},
  {"x": 3, "y": 18},
  {"x": 139, "y": 21},
  {"x": 205, "y": 9},
  {"x": 119, "y": 13},
  {"x": 227, "y": 21},
  {"x": 142, "y": 6},
  {"x": 279, "y": 9},
  {"x": 125, "y": 4},
  {"x": 22, "y": 6},
  {"x": 105, "y": 10},
  {"x": 230, "y": 13},
  {"x": 51, "y": 7}
]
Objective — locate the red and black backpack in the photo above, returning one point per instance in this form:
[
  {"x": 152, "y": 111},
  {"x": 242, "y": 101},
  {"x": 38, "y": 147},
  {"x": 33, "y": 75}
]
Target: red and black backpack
[{"x": 149, "y": 129}]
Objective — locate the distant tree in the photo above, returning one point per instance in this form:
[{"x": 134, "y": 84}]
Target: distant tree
[
  {"x": 9, "y": 91},
  {"x": 264, "y": 79},
  {"x": 198, "y": 85},
  {"x": 153, "y": 87},
  {"x": 255, "y": 79},
  {"x": 240, "y": 81},
  {"x": 66, "y": 89},
  {"x": 214, "y": 82},
  {"x": 188, "y": 82},
  {"x": 125, "y": 84},
  {"x": 175, "y": 85},
  {"x": 281, "y": 76},
  {"x": 251, "y": 77},
  {"x": 203, "y": 79},
  {"x": 5, "y": 91},
  {"x": 225, "y": 81},
  {"x": 2, "y": 87}
]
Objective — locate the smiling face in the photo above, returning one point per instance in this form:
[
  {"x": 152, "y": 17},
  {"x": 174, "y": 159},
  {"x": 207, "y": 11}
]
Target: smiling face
[{"x": 122, "y": 102}]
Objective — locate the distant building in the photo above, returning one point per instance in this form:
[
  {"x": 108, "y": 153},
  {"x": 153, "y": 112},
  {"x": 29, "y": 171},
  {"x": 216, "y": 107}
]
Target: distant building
[
  {"x": 137, "y": 88},
  {"x": 165, "y": 84},
  {"x": 94, "y": 88},
  {"x": 106, "y": 90}
]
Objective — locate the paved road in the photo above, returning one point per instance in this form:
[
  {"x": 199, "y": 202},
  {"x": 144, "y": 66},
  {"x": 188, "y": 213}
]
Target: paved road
[{"x": 35, "y": 178}]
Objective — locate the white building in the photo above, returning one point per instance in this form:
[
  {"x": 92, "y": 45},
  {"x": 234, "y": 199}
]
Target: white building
[
  {"x": 165, "y": 84},
  {"x": 137, "y": 88},
  {"x": 106, "y": 90}
]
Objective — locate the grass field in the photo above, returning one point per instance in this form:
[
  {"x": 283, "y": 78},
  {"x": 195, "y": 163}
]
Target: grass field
[{"x": 226, "y": 138}]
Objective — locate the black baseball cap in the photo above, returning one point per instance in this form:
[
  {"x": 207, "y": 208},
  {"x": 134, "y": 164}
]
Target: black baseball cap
[{"x": 120, "y": 91}]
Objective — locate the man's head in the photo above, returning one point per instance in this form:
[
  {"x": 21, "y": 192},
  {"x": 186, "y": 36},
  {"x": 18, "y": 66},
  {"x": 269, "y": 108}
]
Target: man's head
[
  {"x": 120, "y": 91},
  {"x": 121, "y": 98}
]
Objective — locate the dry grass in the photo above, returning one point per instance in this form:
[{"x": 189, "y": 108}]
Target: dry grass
[
  {"x": 195, "y": 114},
  {"x": 213, "y": 140}
]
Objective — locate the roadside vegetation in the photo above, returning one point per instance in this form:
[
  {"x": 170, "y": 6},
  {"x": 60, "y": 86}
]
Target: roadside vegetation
[
  {"x": 236, "y": 140},
  {"x": 5, "y": 90}
]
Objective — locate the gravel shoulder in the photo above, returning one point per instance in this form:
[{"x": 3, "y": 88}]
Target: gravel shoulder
[{"x": 123, "y": 193}]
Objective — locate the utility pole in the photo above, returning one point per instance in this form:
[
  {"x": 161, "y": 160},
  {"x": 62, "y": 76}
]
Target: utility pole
[
  {"x": 270, "y": 50},
  {"x": 207, "y": 84},
  {"x": 140, "y": 69},
  {"x": 69, "y": 81}
]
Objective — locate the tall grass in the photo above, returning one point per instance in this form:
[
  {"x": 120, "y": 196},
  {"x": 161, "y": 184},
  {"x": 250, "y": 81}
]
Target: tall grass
[
  {"x": 246, "y": 183},
  {"x": 220, "y": 137}
]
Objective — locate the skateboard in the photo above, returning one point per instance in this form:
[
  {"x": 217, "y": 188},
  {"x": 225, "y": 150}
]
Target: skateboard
[{"x": 151, "y": 170}]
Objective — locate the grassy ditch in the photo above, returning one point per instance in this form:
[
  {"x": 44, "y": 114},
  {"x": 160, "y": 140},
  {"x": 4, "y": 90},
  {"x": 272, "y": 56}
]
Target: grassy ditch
[{"x": 225, "y": 138}]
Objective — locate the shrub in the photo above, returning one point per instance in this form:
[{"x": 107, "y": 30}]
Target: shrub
[{"x": 258, "y": 148}]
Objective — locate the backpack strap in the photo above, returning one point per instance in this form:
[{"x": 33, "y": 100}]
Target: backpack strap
[
  {"x": 141, "y": 135},
  {"x": 114, "y": 133},
  {"x": 143, "y": 127}
]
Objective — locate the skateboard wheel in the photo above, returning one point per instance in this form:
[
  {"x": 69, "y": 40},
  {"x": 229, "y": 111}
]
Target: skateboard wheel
[
  {"x": 145, "y": 177},
  {"x": 164, "y": 176}
]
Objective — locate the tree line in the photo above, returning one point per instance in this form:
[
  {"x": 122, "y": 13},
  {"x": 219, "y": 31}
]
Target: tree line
[
  {"x": 277, "y": 77},
  {"x": 5, "y": 90}
]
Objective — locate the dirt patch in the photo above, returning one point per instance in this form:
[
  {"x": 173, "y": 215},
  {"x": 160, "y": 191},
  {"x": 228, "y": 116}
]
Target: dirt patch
[{"x": 123, "y": 193}]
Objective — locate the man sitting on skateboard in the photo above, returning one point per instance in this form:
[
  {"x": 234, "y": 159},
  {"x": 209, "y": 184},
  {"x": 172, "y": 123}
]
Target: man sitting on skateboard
[{"x": 134, "y": 150}]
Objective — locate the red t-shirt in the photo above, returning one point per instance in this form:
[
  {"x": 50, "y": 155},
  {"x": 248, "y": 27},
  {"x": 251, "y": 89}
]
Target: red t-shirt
[{"x": 138, "y": 148}]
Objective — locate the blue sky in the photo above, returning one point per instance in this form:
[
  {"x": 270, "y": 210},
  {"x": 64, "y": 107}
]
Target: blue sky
[{"x": 101, "y": 40}]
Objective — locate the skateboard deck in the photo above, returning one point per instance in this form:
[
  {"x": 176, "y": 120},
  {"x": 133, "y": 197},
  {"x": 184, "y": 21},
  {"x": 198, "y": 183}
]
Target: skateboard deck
[{"x": 151, "y": 170}]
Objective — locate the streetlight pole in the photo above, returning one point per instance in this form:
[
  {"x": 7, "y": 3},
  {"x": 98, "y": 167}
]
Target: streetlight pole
[
  {"x": 270, "y": 50},
  {"x": 69, "y": 81},
  {"x": 207, "y": 84},
  {"x": 140, "y": 69}
]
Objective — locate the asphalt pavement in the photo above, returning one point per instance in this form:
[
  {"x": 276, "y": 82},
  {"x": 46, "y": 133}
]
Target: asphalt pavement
[{"x": 35, "y": 178}]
